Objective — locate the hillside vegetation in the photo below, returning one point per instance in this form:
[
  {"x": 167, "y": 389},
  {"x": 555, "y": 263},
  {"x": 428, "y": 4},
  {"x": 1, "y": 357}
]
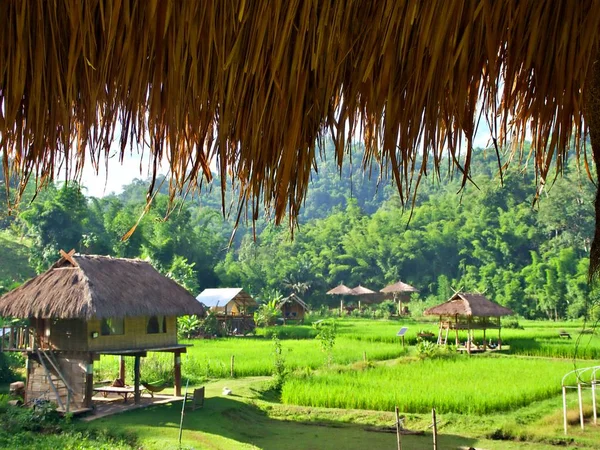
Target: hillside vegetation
[{"x": 486, "y": 236}]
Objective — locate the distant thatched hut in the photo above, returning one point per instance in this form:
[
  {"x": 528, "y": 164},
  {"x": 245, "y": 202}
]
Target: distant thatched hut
[
  {"x": 227, "y": 301},
  {"x": 293, "y": 308},
  {"x": 232, "y": 307},
  {"x": 85, "y": 306},
  {"x": 468, "y": 312}
]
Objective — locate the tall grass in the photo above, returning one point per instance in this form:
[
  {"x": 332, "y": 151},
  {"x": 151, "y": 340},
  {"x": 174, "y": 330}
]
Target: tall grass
[
  {"x": 211, "y": 358},
  {"x": 461, "y": 385}
]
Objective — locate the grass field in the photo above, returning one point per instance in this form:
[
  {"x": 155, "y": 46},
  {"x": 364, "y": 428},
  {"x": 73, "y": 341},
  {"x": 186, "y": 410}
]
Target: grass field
[{"x": 252, "y": 419}]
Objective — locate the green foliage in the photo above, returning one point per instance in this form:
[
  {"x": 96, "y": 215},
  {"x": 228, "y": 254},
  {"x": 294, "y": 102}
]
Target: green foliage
[
  {"x": 426, "y": 349},
  {"x": 41, "y": 428},
  {"x": 326, "y": 334},
  {"x": 268, "y": 312},
  {"x": 279, "y": 370},
  {"x": 188, "y": 326}
]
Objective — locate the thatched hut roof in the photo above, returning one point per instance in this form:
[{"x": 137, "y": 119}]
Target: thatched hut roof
[
  {"x": 99, "y": 287},
  {"x": 340, "y": 290},
  {"x": 361, "y": 290},
  {"x": 220, "y": 297},
  {"x": 293, "y": 298},
  {"x": 463, "y": 304},
  {"x": 258, "y": 83},
  {"x": 398, "y": 287}
]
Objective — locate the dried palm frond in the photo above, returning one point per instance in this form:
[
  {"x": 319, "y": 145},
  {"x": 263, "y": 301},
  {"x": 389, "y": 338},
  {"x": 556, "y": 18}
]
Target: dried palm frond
[{"x": 256, "y": 84}]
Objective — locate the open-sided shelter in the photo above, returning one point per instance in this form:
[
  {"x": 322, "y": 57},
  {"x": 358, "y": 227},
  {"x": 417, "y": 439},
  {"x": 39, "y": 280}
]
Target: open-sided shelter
[
  {"x": 342, "y": 291},
  {"x": 292, "y": 308},
  {"x": 364, "y": 295},
  {"x": 400, "y": 292},
  {"x": 464, "y": 311},
  {"x": 85, "y": 306}
]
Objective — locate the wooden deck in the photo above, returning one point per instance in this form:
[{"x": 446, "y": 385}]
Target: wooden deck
[{"x": 108, "y": 406}]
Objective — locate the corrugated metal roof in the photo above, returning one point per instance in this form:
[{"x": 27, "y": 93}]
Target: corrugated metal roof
[{"x": 219, "y": 297}]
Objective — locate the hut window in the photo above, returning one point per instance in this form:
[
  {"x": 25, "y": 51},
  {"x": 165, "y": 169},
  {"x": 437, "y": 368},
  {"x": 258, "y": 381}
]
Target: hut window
[
  {"x": 112, "y": 326},
  {"x": 156, "y": 324}
]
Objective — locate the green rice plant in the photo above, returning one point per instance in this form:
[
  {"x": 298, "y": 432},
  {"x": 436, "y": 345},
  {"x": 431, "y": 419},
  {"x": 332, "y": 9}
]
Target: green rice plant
[
  {"x": 476, "y": 385},
  {"x": 587, "y": 347},
  {"x": 211, "y": 358}
]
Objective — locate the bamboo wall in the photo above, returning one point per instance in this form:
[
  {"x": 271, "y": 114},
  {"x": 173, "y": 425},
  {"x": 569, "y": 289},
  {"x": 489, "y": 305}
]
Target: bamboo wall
[
  {"x": 134, "y": 337},
  {"x": 289, "y": 309}
]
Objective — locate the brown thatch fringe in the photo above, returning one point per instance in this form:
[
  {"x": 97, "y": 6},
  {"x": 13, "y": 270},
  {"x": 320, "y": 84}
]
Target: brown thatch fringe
[
  {"x": 255, "y": 84},
  {"x": 593, "y": 122}
]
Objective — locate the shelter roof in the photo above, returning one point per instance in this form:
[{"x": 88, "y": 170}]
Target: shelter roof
[
  {"x": 340, "y": 290},
  {"x": 99, "y": 287},
  {"x": 219, "y": 297},
  {"x": 399, "y": 287},
  {"x": 293, "y": 298},
  {"x": 361, "y": 290},
  {"x": 465, "y": 304}
]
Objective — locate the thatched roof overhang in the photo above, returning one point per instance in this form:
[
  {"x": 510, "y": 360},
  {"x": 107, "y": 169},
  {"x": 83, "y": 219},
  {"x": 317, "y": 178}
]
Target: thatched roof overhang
[
  {"x": 469, "y": 305},
  {"x": 258, "y": 83},
  {"x": 99, "y": 287},
  {"x": 219, "y": 297}
]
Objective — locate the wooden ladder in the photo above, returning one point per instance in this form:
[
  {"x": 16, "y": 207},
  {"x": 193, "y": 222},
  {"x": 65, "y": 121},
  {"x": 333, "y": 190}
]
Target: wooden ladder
[{"x": 53, "y": 364}]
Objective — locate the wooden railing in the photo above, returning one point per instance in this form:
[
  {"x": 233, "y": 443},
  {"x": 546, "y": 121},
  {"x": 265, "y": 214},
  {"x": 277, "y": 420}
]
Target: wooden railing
[{"x": 16, "y": 338}]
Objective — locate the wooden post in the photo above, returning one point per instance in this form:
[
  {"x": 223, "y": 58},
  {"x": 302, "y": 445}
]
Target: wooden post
[
  {"x": 177, "y": 373},
  {"x": 122, "y": 368},
  {"x": 89, "y": 381},
  {"x": 341, "y": 307},
  {"x": 594, "y": 400},
  {"x": 136, "y": 379},
  {"x": 499, "y": 338},
  {"x": 359, "y": 306},
  {"x": 398, "y": 433},
  {"x": 484, "y": 342},
  {"x": 434, "y": 424},
  {"x": 11, "y": 338},
  {"x": 564, "y": 393},
  {"x": 232, "y": 366},
  {"x": 580, "y": 405},
  {"x": 469, "y": 336}
]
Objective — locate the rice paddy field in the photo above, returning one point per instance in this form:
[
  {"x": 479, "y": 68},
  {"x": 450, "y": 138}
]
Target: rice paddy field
[
  {"x": 476, "y": 385},
  {"x": 211, "y": 358}
]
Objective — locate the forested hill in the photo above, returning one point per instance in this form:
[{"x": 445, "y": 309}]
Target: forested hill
[{"x": 485, "y": 237}]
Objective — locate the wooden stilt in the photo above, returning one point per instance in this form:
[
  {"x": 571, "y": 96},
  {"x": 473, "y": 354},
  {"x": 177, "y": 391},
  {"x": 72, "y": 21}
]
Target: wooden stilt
[
  {"x": 122, "y": 368},
  {"x": 177, "y": 373},
  {"x": 89, "y": 381},
  {"x": 499, "y": 337},
  {"x": 136, "y": 379},
  {"x": 484, "y": 341},
  {"x": 341, "y": 308}
]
